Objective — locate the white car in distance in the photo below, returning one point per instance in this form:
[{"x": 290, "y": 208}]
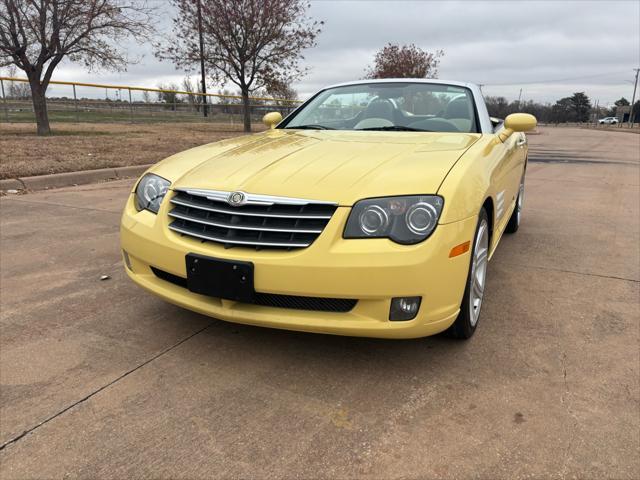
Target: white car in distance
[{"x": 608, "y": 121}]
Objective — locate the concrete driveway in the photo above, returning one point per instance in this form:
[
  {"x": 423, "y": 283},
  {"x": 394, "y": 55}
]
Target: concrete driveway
[{"x": 101, "y": 379}]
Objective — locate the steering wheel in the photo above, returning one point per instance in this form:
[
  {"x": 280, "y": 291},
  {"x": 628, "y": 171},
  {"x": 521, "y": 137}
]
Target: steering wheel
[
  {"x": 380, "y": 108},
  {"x": 435, "y": 125}
]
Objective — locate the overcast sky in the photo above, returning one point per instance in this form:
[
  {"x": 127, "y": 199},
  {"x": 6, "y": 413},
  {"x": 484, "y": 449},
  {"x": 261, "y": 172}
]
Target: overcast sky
[{"x": 548, "y": 48}]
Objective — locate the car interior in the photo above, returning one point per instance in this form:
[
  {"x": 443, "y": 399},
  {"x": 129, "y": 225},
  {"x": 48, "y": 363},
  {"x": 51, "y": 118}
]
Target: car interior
[{"x": 383, "y": 112}]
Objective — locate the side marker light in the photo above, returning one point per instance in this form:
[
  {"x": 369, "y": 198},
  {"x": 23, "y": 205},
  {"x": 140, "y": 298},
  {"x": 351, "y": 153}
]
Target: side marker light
[{"x": 459, "y": 249}]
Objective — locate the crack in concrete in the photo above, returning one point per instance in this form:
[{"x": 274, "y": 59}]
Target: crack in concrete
[
  {"x": 104, "y": 387},
  {"x": 586, "y": 274},
  {"x": 574, "y": 160},
  {"x": 20, "y": 200},
  {"x": 565, "y": 403}
]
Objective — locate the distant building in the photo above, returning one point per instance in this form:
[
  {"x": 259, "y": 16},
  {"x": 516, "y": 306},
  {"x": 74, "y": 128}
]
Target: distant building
[{"x": 622, "y": 113}]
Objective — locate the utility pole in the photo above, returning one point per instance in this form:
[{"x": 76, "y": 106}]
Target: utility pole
[
  {"x": 75, "y": 101},
  {"x": 4, "y": 101},
  {"x": 633, "y": 99},
  {"x": 519, "y": 97},
  {"x": 204, "y": 84}
]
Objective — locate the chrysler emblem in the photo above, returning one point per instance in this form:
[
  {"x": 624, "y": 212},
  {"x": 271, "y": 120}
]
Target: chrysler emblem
[{"x": 236, "y": 199}]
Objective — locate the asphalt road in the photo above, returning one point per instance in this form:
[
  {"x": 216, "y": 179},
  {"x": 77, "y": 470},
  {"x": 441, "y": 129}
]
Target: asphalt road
[{"x": 100, "y": 379}]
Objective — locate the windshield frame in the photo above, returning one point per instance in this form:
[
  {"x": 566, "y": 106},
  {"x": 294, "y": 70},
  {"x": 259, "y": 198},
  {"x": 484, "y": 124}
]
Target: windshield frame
[{"x": 479, "y": 126}]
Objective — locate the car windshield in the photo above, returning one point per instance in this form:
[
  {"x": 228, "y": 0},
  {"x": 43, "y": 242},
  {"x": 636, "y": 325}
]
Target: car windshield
[{"x": 393, "y": 106}]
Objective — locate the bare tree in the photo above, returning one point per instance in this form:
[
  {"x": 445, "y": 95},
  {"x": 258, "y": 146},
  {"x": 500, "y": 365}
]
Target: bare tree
[
  {"x": 146, "y": 97},
  {"x": 18, "y": 90},
  {"x": 192, "y": 89},
  {"x": 499, "y": 107},
  {"x": 246, "y": 42},
  {"x": 227, "y": 97},
  {"x": 404, "y": 61},
  {"x": 168, "y": 94},
  {"x": 281, "y": 92},
  {"x": 228, "y": 101},
  {"x": 36, "y": 35}
]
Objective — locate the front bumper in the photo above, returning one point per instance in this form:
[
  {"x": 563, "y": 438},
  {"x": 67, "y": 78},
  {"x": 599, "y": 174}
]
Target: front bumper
[{"x": 369, "y": 270}]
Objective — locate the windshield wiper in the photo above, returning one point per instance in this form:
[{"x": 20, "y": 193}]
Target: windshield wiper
[
  {"x": 396, "y": 128},
  {"x": 310, "y": 127}
]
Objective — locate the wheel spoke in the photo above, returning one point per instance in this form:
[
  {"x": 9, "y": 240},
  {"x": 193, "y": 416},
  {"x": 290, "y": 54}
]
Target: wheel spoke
[
  {"x": 481, "y": 257},
  {"x": 478, "y": 290},
  {"x": 520, "y": 199}
]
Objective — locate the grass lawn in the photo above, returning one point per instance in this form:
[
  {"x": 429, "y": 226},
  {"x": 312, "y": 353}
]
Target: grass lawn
[
  {"x": 85, "y": 146},
  {"x": 105, "y": 115}
]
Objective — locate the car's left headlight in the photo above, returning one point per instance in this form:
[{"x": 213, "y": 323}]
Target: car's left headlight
[
  {"x": 150, "y": 191},
  {"x": 406, "y": 219}
]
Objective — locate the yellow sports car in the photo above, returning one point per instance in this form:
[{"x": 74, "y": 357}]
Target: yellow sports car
[{"x": 371, "y": 210}]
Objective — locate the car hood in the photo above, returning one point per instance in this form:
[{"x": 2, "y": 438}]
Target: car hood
[{"x": 337, "y": 166}]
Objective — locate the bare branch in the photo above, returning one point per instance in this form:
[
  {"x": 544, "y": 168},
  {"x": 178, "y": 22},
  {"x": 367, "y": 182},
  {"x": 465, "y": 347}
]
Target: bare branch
[
  {"x": 36, "y": 35},
  {"x": 406, "y": 61},
  {"x": 249, "y": 43}
]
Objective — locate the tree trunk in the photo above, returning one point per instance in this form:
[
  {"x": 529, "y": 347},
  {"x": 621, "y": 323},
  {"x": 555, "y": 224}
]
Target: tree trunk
[
  {"x": 40, "y": 107},
  {"x": 246, "y": 110}
]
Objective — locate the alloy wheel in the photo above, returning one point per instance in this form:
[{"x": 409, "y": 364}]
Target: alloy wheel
[
  {"x": 520, "y": 202},
  {"x": 479, "y": 271}
]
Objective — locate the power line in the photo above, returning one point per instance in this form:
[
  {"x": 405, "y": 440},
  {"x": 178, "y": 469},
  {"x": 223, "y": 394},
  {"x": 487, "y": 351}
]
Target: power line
[{"x": 557, "y": 80}]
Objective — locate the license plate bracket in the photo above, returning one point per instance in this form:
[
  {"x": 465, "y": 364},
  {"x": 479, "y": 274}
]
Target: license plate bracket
[{"x": 220, "y": 278}]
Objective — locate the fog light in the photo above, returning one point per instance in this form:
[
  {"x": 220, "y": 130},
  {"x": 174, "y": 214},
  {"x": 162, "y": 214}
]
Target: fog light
[
  {"x": 404, "y": 308},
  {"x": 127, "y": 261}
]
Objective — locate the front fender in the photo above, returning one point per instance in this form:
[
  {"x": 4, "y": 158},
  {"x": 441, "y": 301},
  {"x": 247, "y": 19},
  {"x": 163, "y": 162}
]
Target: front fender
[{"x": 472, "y": 180}]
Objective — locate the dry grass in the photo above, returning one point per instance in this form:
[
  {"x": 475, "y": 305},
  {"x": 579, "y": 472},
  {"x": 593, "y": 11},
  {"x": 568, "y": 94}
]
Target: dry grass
[{"x": 74, "y": 147}]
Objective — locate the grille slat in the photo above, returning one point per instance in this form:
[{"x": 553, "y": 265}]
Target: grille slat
[
  {"x": 242, "y": 227},
  {"x": 232, "y": 211},
  {"x": 231, "y": 241},
  {"x": 262, "y": 222},
  {"x": 318, "y": 304}
]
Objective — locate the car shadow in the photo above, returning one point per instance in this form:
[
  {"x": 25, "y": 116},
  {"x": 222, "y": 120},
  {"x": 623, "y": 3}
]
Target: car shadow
[{"x": 303, "y": 350}]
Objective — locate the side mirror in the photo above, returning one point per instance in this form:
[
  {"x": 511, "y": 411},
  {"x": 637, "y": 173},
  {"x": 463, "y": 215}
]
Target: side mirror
[
  {"x": 517, "y": 122},
  {"x": 520, "y": 122},
  {"x": 271, "y": 119}
]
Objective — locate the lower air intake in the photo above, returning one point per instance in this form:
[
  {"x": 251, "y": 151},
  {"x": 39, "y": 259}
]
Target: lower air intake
[{"x": 294, "y": 302}]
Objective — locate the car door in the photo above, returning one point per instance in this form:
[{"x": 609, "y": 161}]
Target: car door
[{"x": 507, "y": 177}]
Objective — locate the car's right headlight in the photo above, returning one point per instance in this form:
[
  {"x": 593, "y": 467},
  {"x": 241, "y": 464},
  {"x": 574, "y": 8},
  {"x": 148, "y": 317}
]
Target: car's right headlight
[
  {"x": 150, "y": 191},
  {"x": 407, "y": 219}
]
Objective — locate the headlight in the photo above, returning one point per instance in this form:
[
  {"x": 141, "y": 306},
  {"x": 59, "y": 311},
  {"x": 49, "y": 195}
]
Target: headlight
[
  {"x": 404, "y": 220},
  {"x": 150, "y": 191}
]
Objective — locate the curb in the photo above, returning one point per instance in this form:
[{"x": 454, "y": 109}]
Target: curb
[{"x": 67, "y": 179}]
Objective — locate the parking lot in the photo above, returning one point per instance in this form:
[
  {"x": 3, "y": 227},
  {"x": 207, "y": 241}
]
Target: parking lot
[{"x": 101, "y": 379}]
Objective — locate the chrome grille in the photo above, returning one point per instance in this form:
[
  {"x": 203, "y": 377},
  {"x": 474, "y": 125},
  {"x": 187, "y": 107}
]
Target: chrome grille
[{"x": 259, "y": 221}]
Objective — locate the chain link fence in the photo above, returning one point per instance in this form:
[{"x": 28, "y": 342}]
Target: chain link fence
[{"x": 88, "y": 102}]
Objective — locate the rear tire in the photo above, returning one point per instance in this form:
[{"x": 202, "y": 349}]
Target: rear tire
[
  {"x": 516, "y": 216},
  {"x": 467, "y": 321}
]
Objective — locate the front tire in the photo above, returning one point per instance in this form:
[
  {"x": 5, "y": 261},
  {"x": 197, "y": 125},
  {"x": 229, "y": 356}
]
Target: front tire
[
  {"x": 467, "y": 321},
  {"x": 516, "y": 216}
]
